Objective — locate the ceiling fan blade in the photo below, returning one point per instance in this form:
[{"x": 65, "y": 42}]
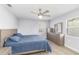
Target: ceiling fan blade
[
  {"x": 40, "y": 10},
  {"x": 47, "y": 15},
  {"x": 9, "y": 5},
  {"x": 47, "y": 11},
  {"x": 34, "y": 12}
]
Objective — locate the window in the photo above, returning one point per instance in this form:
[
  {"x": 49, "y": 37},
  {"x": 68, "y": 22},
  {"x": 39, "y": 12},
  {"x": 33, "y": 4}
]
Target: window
[{"x": 73, "y": 27}]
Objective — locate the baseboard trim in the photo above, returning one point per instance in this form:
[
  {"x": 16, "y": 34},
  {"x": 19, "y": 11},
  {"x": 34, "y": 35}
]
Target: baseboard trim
[{"x": 73, "y": 49}]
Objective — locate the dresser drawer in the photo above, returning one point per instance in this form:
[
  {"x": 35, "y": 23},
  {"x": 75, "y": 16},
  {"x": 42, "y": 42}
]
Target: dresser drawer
[{"x": 56, "y": 38}]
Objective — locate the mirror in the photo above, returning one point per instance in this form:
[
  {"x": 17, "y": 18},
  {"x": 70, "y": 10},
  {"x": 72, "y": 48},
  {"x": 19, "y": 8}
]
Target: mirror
[{"x": 58, "y": 27}]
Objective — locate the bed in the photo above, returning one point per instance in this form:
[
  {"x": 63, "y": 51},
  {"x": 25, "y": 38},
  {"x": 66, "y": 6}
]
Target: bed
[{"x": 27, "y": 43}]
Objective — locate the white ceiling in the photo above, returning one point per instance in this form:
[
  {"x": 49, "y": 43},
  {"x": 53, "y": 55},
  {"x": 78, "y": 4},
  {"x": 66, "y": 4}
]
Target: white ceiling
[{"x": 23, "y": 11}]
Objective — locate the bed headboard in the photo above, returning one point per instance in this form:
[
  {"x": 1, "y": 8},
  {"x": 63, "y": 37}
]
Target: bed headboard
[{"x": 4, "y": 33}]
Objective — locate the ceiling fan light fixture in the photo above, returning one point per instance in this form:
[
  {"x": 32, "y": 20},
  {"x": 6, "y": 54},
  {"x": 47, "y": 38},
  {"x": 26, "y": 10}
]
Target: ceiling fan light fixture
[{"x": 40, "y": 16}]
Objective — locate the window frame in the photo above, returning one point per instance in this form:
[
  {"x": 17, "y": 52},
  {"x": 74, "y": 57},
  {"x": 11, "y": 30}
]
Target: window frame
[{"x": 67, "y": 26}]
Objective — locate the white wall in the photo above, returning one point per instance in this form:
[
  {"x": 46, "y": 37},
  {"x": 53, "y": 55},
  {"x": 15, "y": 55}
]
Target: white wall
[
  {"x": 70, "y": 41},
  {"x": 7, "y": 20},
  {"x": 30, "y": 27}
]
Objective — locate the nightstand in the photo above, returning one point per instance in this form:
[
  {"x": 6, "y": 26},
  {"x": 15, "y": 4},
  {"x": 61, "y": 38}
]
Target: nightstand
[{"x": 5, "y": 50}]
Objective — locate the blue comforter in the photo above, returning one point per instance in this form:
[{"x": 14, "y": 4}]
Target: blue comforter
[{"x": 28, "y": 43}]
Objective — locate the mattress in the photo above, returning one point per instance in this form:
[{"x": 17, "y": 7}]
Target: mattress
[{"x": 28, "y": 43}]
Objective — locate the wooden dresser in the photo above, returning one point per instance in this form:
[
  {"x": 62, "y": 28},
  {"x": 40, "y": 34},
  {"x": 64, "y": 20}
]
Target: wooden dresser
[{"x": 56, "y": 38}]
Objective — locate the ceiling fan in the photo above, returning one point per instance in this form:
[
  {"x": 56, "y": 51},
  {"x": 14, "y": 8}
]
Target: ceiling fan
[{"x": 40, "y": 13}]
